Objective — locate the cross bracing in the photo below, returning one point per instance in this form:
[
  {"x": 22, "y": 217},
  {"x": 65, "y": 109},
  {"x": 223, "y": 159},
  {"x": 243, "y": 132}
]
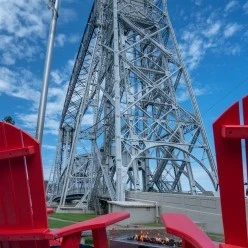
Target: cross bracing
[{"x": 124, "y": 125}]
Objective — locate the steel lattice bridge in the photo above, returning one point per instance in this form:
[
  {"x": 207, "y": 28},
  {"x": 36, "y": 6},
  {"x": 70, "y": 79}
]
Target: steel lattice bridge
[{"x": 123, "y": 125}]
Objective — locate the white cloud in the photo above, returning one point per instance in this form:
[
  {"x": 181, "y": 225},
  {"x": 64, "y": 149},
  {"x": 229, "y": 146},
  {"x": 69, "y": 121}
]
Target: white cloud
[
  {"x": 24, "y": 18},
  {"x": 205, "y": 35},
  {"x": 70, "y": 1},
  {"x": 183, "y": 95},
  {"x": 21, "y": 84},
  {"x": 60, "y": 76},
  {"x": 51, "y": 126},
  {"x": 214, "y": 29},
  {"x": 199, "y": 91},
  {"x": 5, "y": 40},
  {"x": 245, "y": 7},
  {"x": 24, "y": 84},
  {"x": 231, "y": 6},
  {"x": 87, "y": 119},
  {"x": 70, "y": 64},
  {"x": 231, "y": 29},
  {"x": 62, "y": 39},
  {"x": 74, "y": 38},
  {"x": 195, "y": 52},
  {"x": 233, "y": 49},
  {"x": 56, "y": 100},
  {"x": 197, "y": 2},
  {"x": 56, "y": 97},
  {"x": 53, "y": 110},
  {"x": 48, "y": 147},
  {"x": 199, "y": 37},
  {"x": 194, "y": 47},
  {"x": 23, "y": 25},
  {"x": 29, "y": 120},
  {"x": 57, "y": 77},
  {"x": 67, "y": 15},
  {"x": 3, "y": 85},
  {"x": 7, "y": 59},
  {"x": 55, "y": 103},
  {"x": 208, "y": 31}
]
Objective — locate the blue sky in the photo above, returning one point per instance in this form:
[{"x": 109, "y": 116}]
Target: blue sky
[{"x": 213, "y": 37}]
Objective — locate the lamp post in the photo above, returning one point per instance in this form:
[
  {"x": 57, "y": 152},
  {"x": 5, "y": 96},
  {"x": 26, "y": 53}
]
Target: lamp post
[{"x": 54, "y": 4}]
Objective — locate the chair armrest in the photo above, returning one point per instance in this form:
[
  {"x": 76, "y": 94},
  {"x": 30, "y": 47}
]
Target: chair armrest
[
  {"x": 96, "y": 223},
  {"x": 72, "y": 234},
  {"x": 180, "y": 225},
  {"x": 49, "y": 210}
]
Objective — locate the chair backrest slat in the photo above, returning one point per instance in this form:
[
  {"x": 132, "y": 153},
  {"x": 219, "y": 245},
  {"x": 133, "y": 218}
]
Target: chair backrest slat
[
  {"x": 245, "y": 115},
  {"x": 36, "y": 183}
]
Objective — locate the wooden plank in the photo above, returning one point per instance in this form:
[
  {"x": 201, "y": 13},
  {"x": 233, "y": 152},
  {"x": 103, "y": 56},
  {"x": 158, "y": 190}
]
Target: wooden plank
[
  {"x": 245, "y": 115},
  {"x": 100, "y": 238},
  {"x": 95, "y": 223},
  {"x": 18, "y": 152},
  {"x": 36, "y": 183},
  {"x": 181, "y": 226},
  {"x": 234, "y": 131},
  {"x": 7, "y": 208},
  {"x": 72, "y": 241},
  {"x": 49, "y": 210}
]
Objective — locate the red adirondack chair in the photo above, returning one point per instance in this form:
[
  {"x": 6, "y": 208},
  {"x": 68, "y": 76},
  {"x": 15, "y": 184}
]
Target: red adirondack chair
[
  {"x": 228, "y": 133},
  {"x": 23, "y": 213}
]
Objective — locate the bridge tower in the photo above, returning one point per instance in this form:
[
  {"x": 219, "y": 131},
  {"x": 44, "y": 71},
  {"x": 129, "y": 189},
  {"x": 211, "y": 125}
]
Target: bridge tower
[{"x": 124, "y": 125}]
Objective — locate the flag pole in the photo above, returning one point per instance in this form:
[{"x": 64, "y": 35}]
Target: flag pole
[{"x": 54, "y": 4}]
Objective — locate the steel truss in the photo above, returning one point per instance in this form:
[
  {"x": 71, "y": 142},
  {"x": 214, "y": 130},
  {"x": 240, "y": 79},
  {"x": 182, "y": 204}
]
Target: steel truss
[{"x": 123, "y": 125}]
